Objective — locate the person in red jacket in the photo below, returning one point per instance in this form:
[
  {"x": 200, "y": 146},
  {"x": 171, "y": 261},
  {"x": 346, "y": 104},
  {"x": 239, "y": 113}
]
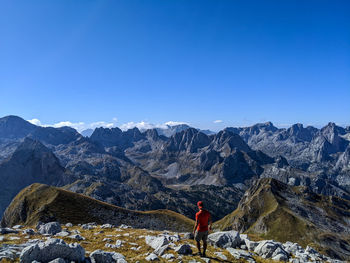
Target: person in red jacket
[{"x": 201, "y": 228}]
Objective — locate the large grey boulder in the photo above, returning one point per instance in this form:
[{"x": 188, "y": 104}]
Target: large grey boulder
[
  {"x": 184, "y": 249},
  {"x": 156, "y": 242},
  {"x": 271, "y": 249},
  {"x": 52, "y": 249},
  {"x": 224, "y": 239},
  {"x": 292, "y": 248},
  {"x": 100, "y": 256},
  {"x": 51, "y": 228}
]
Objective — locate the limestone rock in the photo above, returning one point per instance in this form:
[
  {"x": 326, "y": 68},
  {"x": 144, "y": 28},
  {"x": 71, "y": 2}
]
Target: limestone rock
[
  {"x": 52, "y": 249},
  {"x": 100, "y": 256},
  {"x": 225, "y": 239},
  {"x": 184, "y": 249},
  {"x": 51, "y": 228},
  {"x": 271, "y": 249},
  {"x": 152, "y": 257}
]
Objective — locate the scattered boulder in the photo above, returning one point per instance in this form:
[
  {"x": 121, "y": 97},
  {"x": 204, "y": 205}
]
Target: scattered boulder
[
  {"x": 69, "y": 225},
  {"x": 28, "y": 231},
  {"x": 118, "y": 244},
  {"x": 89, "y": 226},
  {"x": 152, "y": 257},
  {"x": 156, "y": 242},
  {"x": 17, "y": 227},
  {"x": 51, "y": 228},
  {"x": 271, "y": 249},
  {"x": 241, "y": 254},
  {"x": 225, "y": 239},
  {"x": 77, "y": 237},
  {"x": 122, "y": 226},
  {"x": 10, "y": 252},
  {"x": 184, "y": 249},
  {"x": 7, "y": 230},
  {"x": 52, "y": 249},
  {"x": 62, "y": 234},
  {"x": 168, "y": 256},
  {"x": 107, "y": 226},
  {"x": 100, "y": 256}
]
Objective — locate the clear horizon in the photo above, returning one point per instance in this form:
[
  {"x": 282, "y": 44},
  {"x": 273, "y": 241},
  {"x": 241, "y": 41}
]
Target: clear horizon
[{"x": 209, "y": 64}]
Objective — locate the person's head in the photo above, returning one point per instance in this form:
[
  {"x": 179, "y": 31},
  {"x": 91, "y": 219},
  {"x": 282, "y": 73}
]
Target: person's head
[{"x": 200, "y": 205}]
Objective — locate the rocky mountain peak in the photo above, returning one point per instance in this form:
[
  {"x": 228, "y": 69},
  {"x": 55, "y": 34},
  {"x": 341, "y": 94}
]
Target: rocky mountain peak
[
  {"x": 107, "y": 136},
  {"x": 333, "y": 133},
  {"x": 13, "y": 127},
  {"x": 134, "y": 134},
  {"x": 152, "y": 134},
  {"x": 230, "y": 140},
  {"x": 188, "y": 140},
  {"x": 299, "y": 132}
]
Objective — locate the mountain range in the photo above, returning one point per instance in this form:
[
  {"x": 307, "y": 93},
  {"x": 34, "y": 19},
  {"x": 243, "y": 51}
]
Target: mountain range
[{"x": 173, "y": 169}]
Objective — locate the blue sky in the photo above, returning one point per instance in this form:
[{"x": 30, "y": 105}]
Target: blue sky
[{"x": 117, "y": 62}]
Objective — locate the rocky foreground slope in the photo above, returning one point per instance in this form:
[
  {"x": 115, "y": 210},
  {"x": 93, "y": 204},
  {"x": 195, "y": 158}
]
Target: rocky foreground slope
[
  {"x": 56, "y": 243},
  {"x": 274, "y": 210}
]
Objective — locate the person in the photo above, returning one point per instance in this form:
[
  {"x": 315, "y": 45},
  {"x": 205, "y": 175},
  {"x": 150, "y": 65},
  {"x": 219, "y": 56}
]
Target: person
[{"x": 201, "y": 228}]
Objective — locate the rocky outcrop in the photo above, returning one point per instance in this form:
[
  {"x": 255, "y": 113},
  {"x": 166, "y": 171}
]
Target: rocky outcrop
[{"x": 51, "y": 250}]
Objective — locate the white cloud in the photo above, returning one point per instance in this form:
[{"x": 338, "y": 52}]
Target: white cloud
[
  {"x": 79, "y": 126},
  {"x": 140, "y": 125},
  {"x": 218, "y": 121},
  {"x": 147, "y": 125},
  {"x": 174, "y": 123},
  {"x": 35, "y": 122}
]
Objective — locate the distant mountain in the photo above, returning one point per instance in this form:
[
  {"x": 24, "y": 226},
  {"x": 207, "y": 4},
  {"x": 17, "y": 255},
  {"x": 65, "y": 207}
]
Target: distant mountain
[
  {"x": 191, "y": 157},
  {"x": 15, "y": 128},
  {"x": 87, "y": 132},
  {"x": 317, "y": 151},
  {"x": 274, "y": 210},
  {"x": 170, "y": 130},
  {"x": 45, "y": 203},
  {"x": 31, "y": 162}
]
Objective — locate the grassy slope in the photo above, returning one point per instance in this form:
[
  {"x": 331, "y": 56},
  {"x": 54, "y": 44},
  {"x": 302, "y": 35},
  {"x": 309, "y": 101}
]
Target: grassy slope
[
  {"x": 42, "y": 201},
  {"x": 266, "y": 215}
]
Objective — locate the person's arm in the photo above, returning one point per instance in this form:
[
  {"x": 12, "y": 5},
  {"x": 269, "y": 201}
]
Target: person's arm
[{"x": 195, "y": 226}]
